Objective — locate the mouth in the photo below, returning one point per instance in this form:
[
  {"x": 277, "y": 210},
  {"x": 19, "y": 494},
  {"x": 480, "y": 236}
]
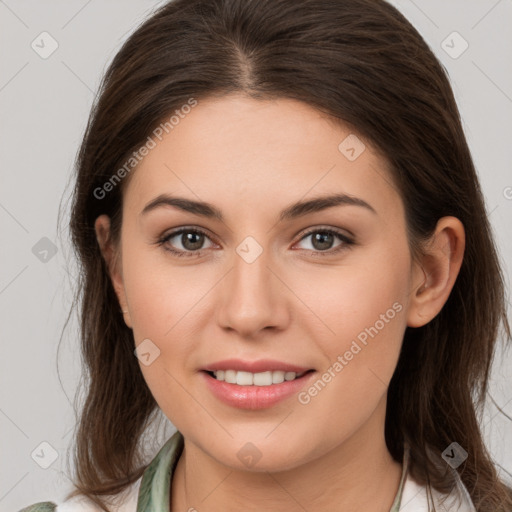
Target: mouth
[{"x": 269, "y": 382}]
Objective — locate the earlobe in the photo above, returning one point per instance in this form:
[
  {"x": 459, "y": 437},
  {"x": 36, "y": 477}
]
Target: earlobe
[
  {"x": 440, "y": 266},
  {"x": 110, "y": 255}
]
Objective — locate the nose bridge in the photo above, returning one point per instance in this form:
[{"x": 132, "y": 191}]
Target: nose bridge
[{"x": 252, "y": 296}]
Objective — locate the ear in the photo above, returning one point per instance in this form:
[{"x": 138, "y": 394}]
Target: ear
[
  {"x": 112, "y": 258},
  {"x": 437, "y": 271}
]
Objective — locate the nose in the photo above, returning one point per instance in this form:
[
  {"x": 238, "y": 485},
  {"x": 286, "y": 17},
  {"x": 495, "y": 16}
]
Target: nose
[{"x": 253, "y": 298}]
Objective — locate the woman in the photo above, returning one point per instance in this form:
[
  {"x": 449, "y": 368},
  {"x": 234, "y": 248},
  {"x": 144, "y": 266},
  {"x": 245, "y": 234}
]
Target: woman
[{"x": 277, "y": 212}]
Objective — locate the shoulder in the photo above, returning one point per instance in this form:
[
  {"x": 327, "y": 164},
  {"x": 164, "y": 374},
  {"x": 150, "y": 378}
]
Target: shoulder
[
  {"x": 415, "y": 498},
  {"x": 125, "y": 502},
  {"x": 155, "y": 487}
]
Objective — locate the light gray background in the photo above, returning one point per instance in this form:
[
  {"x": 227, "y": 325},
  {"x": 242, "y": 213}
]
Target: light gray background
[{"x": 44, "y": 105}]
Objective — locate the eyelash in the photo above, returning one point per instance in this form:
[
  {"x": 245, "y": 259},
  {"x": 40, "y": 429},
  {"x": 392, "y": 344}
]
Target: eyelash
[{"x": 347, "y": 242}]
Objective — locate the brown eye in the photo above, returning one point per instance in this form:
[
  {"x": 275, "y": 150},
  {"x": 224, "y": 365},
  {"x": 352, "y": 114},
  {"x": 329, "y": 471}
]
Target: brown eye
[
  {"x": 192, "y": 241},
  {"x": 323, "y": 240},
  {"x": 185, "y": 241}
]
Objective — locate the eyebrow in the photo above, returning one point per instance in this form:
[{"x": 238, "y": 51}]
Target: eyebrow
[{"x": 293, "y": 211}]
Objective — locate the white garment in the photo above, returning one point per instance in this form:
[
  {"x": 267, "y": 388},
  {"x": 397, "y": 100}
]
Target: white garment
[
  {"x": 127, "y": 502},
  {"x": 414, "y": 499}
]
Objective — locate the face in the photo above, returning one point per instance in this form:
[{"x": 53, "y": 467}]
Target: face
[{"x": 323, "y": 289}]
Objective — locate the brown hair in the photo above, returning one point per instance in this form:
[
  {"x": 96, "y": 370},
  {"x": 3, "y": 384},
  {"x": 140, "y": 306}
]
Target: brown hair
[{"x": 362, "y": 62}]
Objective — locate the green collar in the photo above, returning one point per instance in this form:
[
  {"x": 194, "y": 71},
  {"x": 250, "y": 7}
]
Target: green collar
[{"x": 154, "y": 491}]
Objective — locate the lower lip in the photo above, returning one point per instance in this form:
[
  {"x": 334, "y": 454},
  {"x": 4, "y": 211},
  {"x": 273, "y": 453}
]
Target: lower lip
[{"x": 254, "y": 397}]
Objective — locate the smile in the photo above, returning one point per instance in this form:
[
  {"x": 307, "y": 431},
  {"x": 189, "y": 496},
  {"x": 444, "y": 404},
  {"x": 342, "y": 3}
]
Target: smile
[{"x": 254, "y": 391}]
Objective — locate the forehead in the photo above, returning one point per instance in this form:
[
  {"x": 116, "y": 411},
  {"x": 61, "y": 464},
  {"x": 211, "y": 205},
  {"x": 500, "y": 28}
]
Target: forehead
[{"x": 248, "y": 153}]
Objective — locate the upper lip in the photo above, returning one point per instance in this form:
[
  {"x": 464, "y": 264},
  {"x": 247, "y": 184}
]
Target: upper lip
[{"x": 259, "y": 366}]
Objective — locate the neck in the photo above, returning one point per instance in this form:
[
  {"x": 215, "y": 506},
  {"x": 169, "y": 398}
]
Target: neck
[{"x": 358, "y": 474}]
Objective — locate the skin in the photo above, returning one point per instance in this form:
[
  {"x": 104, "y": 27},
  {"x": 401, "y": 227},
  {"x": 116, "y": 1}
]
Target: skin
[{"x": 251, "y": 159}]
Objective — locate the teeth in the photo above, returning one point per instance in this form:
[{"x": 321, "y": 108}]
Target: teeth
[
  {"x": 262, "y": 379},
  {"x": 255, "y": 379},
  {"x": 244, "y": 378},
  {"x": 277, "y": 377},
  {"x": 230, "y": 376}
]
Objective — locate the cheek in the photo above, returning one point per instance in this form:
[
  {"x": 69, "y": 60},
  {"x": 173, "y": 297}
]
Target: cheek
[
  {"x": 167, "y": 307},
  {"x": 159, "y": 294},
  {"x": 361, "y": 357},
  {"x": 363, "y": 312},
  {"x": 163, "y": 309},
  {"x": 370, "y": 290}
]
